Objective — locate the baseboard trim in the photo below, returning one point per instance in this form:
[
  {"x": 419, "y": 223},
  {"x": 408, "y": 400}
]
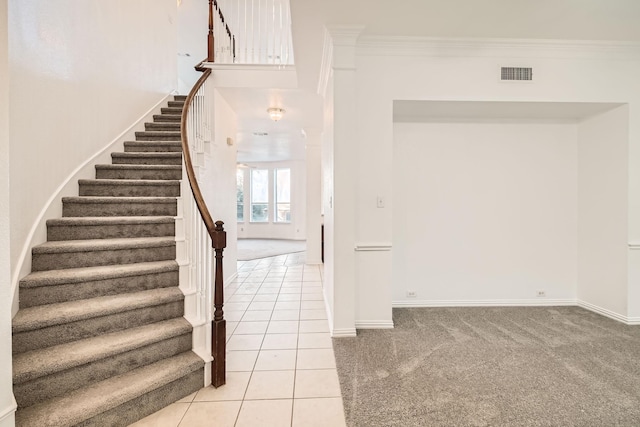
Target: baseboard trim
[
  {"x": 343, "y": 333},
  {"x": 39, "y": 223},
  {"x": 485, "y": 303},
  {"x": 7, "y": 415},
  {"x": 608, "y": 313},
  {"x": 375, "y": 324}
]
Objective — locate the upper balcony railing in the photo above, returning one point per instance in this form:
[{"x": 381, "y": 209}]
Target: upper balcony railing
[{"x": 250, "y": 32}]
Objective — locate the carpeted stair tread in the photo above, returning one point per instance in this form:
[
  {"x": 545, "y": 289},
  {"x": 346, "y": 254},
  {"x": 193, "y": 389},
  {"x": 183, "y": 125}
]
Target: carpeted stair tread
[
  {"x": 89, "y": 274},
  {"x": 124, "y": 171},
  {"x": 38, "y": 363},
  {"x": 63, "y": 254},
  {"x": 152, "y": 146},
  {"x": 126, "y": 182},
  {"x": 171, "y": 110},
  {"x": 182, "y": 98},
  {"x": 111, "y": 220},
  {"x": 176, "y": 103},
  {"x": 173, "y": 126},
  {"x": 147, "y": 158},
  {"x": 71, "y": 246},
  {"x": 43, "y": 316},
  {"x": 158, "y": 136},
  {"x": 164, "y": 118},
  {"x": 88, "y": 402},
  {"x": 151, "y": 167},
  {"x": 117, "y": 200},
  {"x": 116, "y": 205},
  {"x": 109, "y": 227},
  {"x": 110, "y": 187},
  {"x": 123, "y": 182}
]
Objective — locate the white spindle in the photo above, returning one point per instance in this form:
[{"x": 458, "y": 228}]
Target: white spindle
[
  {"x": 197, "y": 240},
  {"x": 262, "y": 31}
]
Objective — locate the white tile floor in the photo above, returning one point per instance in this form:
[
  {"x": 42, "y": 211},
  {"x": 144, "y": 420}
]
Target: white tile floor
[{"x": 281, "y": 369}]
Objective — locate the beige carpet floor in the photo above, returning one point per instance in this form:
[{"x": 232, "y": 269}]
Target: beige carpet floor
[
  {"x": 508, "y": 366},
  {"x": 249, "y": 249}
]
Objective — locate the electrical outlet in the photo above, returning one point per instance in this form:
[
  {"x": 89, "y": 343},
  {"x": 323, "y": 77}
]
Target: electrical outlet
[
  {"x": 380, "y": 202},
  {"x": 541, "y": 293},
  {"x": 412, "y": 294}
]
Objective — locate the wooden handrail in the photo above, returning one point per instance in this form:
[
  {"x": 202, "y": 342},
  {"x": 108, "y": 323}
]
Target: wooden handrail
[
  {"x": 218, "y": 242},
  {"x": 193, "y": 182}
]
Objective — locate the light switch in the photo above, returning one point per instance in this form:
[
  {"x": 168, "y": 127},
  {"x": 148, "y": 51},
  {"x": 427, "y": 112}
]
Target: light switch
[{"x": 380, "y": 202}]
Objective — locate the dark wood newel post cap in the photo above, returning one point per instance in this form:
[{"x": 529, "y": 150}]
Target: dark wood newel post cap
[{"x": 220, "y": 236}]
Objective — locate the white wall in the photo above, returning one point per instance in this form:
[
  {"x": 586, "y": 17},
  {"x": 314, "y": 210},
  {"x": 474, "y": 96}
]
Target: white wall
[
  {"x": 217, "y": 179},
  {"x": 327, "y": 203},
  {"x": 7, "y": 404},
  {"x": 484, "y": 213},
  {"x": 388, "y": 69},
  {"x": 603, "y": 209},
  {"x": 193, "y": 24},
  {"x": 81, "y": 73},
  {"x": 294, "y": 230}
]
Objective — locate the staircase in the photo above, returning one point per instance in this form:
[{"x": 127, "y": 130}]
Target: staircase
[{"x": 100, "y": 338}]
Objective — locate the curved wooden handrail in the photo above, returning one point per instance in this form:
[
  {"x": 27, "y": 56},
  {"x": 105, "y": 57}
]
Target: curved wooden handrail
[
  {"x": 188, "y": 164},
  {"x": 218, "y": 242}
]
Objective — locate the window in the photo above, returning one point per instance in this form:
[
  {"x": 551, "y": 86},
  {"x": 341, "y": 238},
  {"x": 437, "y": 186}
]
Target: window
[
  {"x": 240, "y": 194},
  {"x": 259, "y": 195},
  {"x": 282, "y": 178}
]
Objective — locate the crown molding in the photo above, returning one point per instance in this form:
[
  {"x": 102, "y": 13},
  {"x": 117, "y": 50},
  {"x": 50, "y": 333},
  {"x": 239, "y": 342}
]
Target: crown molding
[
  {"x": 344, "y": 35},
  {"x": 488, "y": 47},
  {"x": 325, "y": 64}
]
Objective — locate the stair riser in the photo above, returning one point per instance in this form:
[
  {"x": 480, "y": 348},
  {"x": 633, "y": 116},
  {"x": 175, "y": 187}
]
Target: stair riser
[
  {"x": 176, "y": 104},
  {"x": 171, "y": 126},
  {"x": 136, "y": 160},
  {"x": 138, "y": 174},
  {"x": 60, "y": 334},
  {"x": 138, "y": 408},
  {"x": 88, "y": 232},
  {"x": 150, "y": 147},
  {"x": 157, "y": 136},
  {"x": 51, "y": 294},
  {"x": 57, "y": 384},
  {"x": 130, "y": 190},
  {"x": 181, "y": 98},
  {"x": 70, "y": 209},
  {"x": 57, "y": 261},
  {"x": 171, "y": 110},
  {"x": 164, "y": 118}
]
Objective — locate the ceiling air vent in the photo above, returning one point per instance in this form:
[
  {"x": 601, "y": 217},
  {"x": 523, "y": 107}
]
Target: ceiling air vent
[{"x": 516, "y": 73}]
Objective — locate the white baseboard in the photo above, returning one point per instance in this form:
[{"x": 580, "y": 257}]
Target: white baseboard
[
  {"x": 543, "y": 302},
  {"x": 343, "y": 333},
  {"x": 374, "y": 324},
  {"x": 608, "y": 313},
  {"x": 485, "y": 303},
  {"x": 7, "y": 414}
]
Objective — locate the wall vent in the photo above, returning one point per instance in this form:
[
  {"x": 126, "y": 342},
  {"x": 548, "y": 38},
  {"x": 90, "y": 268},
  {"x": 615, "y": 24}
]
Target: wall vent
[{"x": 516, "y": 73}]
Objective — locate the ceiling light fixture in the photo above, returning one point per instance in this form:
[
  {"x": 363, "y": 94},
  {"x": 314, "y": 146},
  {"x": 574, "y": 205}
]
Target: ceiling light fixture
[{"x": 275, "y": 113}]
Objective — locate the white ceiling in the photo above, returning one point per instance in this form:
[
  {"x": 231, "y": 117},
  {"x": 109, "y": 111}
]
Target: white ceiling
[
  {"x": 522, "y": 19},
  {"x": 284, "y": 139}
]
